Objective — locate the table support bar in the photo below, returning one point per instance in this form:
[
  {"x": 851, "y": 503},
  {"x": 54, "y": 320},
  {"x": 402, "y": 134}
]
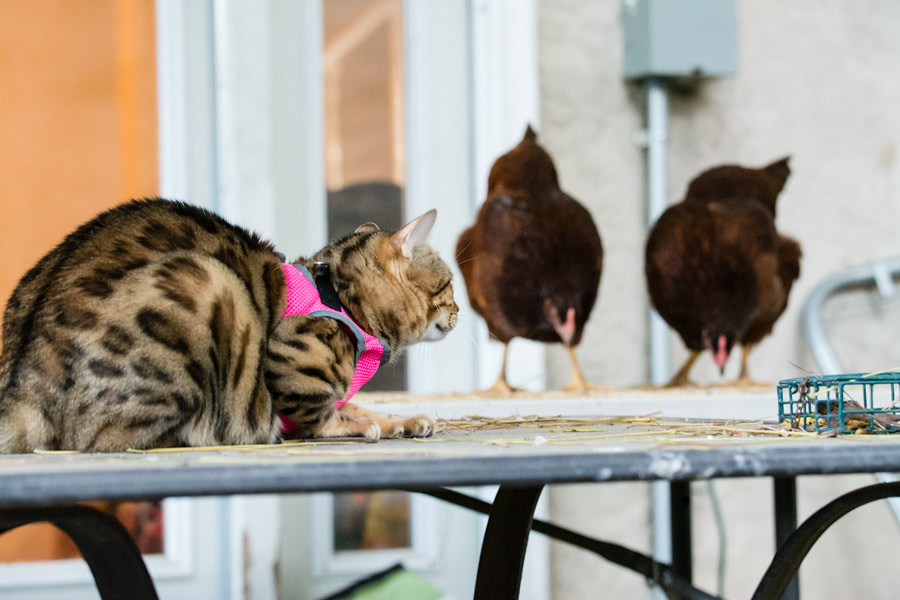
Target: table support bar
[
  {"x": 785, "y": 492},
  {"x": 680, "y": 510},
  {"x": 505, "y": 542},
  {"x": 661, "y": 573},
  {"x": 791, "y": 553}
]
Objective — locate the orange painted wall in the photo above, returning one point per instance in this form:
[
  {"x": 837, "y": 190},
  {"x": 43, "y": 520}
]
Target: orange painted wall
[
  {"x": 77, "y": 135},
  {"x": 77, "y": 116}
]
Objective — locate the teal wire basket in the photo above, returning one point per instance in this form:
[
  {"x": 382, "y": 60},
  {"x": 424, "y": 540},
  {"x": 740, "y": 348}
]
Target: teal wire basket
[{"x": 850, "y": 403}]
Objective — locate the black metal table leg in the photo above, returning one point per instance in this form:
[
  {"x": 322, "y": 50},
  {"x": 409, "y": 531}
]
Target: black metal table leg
[
  {"x": 795, "y": 548},
  {"x": 785, "y": 490},
  {"x": 114, "y": 559},
  {"x": 680, "y": 507},
  {"x": 661, "y": 573},
  {"x": 505, "y": 542}
]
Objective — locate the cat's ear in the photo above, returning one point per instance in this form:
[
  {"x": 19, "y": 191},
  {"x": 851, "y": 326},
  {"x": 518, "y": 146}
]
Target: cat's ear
[
  {"x": 369, "y": 227},
  {"x": 413, "y": 233}
]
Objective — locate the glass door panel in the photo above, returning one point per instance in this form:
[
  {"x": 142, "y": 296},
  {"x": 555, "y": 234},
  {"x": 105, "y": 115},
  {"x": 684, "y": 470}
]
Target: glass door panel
[
  {"x": 363, "y": 145},
  {"x": 364, "y": 174}
]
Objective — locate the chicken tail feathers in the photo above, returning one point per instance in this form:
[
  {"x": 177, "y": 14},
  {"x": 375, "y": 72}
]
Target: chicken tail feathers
[
  {"x": 778, "y": 172},
  {"x": 789, "y": 254},
  {"x": 776, "y": 175}
]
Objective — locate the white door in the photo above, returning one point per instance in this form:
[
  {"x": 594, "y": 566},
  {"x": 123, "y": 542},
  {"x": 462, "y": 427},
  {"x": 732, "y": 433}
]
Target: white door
[
  {"x": 263, "y": 82},
  {"x": 243, "y": 100}
]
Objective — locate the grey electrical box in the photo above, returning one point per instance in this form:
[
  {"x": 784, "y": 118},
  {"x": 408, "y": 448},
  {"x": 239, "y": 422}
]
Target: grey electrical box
[{"x": 679, "y": 38}]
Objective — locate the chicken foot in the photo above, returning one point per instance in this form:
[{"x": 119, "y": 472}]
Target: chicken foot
[
  {"x": 744, "y": 379},
  {"x": 579, "y": 383},
  {"x": 501, "y": 386}
]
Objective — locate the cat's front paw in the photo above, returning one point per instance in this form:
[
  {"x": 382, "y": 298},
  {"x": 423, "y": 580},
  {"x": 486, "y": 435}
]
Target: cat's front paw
[
  {"x": 349, "y": 424},
  {"x": 373, "y": 431},
  {"x": 362, "y": 427},
  {"x": 418, "y": 426}
]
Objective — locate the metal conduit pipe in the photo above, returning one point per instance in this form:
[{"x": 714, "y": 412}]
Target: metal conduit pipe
[
  {"x": 881, "y": 273},
  {"x": 655, "y": 140}
]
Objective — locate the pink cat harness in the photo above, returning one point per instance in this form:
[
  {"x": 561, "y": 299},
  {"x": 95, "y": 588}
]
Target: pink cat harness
[{"x": 304, "y": 297}]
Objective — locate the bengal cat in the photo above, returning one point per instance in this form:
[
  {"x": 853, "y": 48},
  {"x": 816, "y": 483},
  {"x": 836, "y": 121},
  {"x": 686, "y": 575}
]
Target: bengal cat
[{"x": 159, "y": 324}]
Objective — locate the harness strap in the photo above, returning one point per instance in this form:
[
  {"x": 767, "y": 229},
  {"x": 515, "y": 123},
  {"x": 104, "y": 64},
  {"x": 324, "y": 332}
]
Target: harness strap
[{"x": 304, "y": 297}]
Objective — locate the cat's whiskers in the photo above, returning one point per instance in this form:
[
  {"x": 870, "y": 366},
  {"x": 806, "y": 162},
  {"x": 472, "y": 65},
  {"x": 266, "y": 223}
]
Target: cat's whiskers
[
  {"x": 469, "y": 259},
  {"x": 421, "y": 351},
  {"x": 472, "y": 337},
  {"x": 463, "y": 249},
  {"x": 462, "y": 324}
]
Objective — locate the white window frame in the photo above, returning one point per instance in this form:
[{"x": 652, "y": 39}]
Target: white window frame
[{"x": 422, "y": 554}]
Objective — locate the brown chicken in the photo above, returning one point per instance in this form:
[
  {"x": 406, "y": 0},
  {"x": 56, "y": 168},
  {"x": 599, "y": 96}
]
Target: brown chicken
[
  {"x": 717, "y": 270},
  {"x": 532, "y": 260}
]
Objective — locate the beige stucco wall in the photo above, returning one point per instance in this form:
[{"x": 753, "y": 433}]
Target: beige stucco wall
[{"x": 817, "y": 79}]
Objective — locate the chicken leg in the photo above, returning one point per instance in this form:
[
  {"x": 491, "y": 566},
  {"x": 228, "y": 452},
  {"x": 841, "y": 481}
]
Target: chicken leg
[
  {"x": 681, "y": 378},
  {"x": 744, "y": 377},
  {"x": 579, "y": 383},
  {"x": 501, "y": 386}
]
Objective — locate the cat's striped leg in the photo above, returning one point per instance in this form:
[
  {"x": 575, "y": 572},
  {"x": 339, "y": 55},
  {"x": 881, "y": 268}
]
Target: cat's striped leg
[{"x": 308, "y": 367}]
